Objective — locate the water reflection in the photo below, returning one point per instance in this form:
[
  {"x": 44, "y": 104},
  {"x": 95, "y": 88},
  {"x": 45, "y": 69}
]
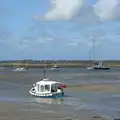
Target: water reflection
[{"x": 49, "y": 101}]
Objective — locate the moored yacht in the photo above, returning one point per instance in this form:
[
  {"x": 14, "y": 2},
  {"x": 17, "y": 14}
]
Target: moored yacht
[
  {"x": 100, "y": 66},
  {"x": 55, "y": 68},
  {"x": 20, "y": 69}
]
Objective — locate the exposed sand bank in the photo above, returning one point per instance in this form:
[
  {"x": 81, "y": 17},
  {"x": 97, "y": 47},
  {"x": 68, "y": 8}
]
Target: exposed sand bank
[
  {"x": 103, "y": 85},
  {"x": 19, "y": 111},
  {"x": 110, "y": 88}
]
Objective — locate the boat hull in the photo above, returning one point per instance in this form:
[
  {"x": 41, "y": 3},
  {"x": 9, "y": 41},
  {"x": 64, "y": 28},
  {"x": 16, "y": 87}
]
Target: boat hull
[
  {"x": 50, "y": 95},
  {"x": 20, "y": 70},
  {"x": 89, "y": 68},
  {"x": 101, "y": 68}
]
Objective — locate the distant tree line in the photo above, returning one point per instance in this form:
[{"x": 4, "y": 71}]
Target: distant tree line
[{"x": 55, "y": 61}]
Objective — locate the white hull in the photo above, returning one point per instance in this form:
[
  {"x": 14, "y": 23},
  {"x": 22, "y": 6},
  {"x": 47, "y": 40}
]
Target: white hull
[
  {"x": 46, "y": 95},
  {"x": 20, "y": 70},
  {"x": 90, "y": 68}
]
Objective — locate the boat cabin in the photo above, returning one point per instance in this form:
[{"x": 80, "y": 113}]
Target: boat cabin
[{"x": 47, "y": 86}]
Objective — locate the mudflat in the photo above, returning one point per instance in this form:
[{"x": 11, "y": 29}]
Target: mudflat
[
  {"x": 17, "y": 85},
  {"x": 22, "y": 111},
  {"x": 110, "y": 88}
]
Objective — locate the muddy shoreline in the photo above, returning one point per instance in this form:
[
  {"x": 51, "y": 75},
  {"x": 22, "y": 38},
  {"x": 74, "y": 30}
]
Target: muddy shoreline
[{"x": 18, "y": 111}]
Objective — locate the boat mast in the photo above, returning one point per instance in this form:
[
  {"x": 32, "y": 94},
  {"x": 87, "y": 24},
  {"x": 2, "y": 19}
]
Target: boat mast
[
  {"x": 45, "y": 69},
  {"x": 93, "y": 48},
  {"x": 89, "y": 54}
]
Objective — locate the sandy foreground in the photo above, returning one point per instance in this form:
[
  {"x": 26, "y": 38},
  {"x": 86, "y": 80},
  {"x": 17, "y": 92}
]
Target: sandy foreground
[
  {"x": 109, "y": 88},
  {"x": 20, "y": 111}
]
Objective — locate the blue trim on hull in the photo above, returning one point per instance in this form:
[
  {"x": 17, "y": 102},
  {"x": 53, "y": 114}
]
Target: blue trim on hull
[{"x": 58, "y": 95}]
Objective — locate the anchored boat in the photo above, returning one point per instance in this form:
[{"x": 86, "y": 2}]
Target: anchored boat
[
  {"x": 100, "y": 65},
  {"x": 20, "y": 69},
  {"x": 47, "y": 88},
  {"x": 55, "y": 68}
]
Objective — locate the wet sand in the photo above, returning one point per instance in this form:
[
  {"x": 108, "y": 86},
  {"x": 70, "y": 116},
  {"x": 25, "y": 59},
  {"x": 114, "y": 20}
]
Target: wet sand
[
  {"x": 110, "y": 88},
  {"x": 19, "y": 111},
  {"x": 78, "y": 82}
]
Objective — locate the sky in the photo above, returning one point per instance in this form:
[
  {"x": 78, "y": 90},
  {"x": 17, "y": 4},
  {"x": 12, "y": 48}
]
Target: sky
[{"x": 59, "y": 29}]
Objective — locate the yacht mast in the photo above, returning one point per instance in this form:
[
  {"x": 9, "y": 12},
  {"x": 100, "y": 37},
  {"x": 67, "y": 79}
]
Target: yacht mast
[
  {"x": 94, "y": 57},
  {"x": 45, "y": 69}
]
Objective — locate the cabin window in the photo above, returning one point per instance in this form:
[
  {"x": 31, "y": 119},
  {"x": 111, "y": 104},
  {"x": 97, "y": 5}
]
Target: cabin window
[
  {"x": 57, "y": 86},
  {"x": 47, "y": 88},
  {"x": 42, "y": 88},
  {"x": 53, "y": 88}
]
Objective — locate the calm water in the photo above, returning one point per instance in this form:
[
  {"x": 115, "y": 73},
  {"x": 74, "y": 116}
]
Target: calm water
[{"x": 108, "y": 104}]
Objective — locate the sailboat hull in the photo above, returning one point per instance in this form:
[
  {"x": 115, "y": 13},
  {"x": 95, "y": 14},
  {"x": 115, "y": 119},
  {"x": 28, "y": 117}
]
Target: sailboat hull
[
  {"x": 101, "y": 68},
  {"x": 20, "y": 70}
]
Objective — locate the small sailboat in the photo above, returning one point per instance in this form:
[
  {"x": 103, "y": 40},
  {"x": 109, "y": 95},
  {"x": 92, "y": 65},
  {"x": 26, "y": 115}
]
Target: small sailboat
[
  {"x": 55, "y": 68},
  {"x": 20, "y": 69},
  {"x": 100, "y": 65},
  {"x": 47, "y": 88}
]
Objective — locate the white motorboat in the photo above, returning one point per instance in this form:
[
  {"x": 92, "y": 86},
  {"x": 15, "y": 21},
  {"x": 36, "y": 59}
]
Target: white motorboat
[
  {"x": 20, "y": 69},
  {"x": 48, "y": 89}
]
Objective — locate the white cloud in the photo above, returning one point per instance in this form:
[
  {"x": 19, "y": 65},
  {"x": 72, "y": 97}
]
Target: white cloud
[
  {"x": 49, "y": 39},
  {"x": 62, "y": 10},
  {"x": 82, "y": 11},
  {"x": 72, "y": 43},
  {"x": 107, "y": 9}
]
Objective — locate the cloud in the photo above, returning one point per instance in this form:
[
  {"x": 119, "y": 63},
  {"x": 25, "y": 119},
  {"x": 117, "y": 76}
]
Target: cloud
[
  {"x": 107, "y": 9},
  {"x": 72, "y": 43},
  {"x": 102, "y": 10},
  {"x": 62, "y": 10}
]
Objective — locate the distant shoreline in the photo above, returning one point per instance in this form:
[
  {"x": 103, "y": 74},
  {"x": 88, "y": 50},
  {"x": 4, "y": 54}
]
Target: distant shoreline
[{"x": 61, "y": 65}]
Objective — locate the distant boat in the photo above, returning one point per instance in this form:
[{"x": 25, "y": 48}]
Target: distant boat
[
  {"x": 100, "y": 65},
  {"x": 55, "y": 68},
  {"x": 89, "y": 68},
  {"x": 20, "y": 69}
]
